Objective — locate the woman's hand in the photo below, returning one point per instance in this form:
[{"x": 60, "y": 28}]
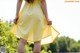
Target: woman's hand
[
  {"x": 19, "y": 3},
  {"x": 16, "y": 19},
  {"x": 49, "y": 22}
]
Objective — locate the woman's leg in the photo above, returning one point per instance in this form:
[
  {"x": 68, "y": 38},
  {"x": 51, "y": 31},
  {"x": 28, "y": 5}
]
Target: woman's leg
[
  {"x": 37, "y": 47},
  {"x": 21, "y": 45}
]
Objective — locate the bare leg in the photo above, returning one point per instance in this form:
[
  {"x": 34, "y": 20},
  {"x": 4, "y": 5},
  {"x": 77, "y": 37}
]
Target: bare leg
[
  {"x": 37, "y": 47},
  {"x": 21, "y": 46}
]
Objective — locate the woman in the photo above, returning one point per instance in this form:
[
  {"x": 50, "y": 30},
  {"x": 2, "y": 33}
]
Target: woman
[{"x": 32, "y": 24}]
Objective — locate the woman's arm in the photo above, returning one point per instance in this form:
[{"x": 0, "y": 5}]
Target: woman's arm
[
  {"x": 19, "y": 2},
  {"x": 44, "y": 8}
]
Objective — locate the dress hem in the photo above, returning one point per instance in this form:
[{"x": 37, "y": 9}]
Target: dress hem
[{"x": 41, "y": 38}]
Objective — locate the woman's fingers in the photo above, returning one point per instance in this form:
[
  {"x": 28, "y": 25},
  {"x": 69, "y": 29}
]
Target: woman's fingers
[
  {"x": 15, "y": 20},
  {"x": 49, "y": 22}
]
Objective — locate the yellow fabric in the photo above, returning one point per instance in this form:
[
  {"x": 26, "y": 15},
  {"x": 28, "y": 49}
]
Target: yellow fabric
[{"x": 32, "y": 25}]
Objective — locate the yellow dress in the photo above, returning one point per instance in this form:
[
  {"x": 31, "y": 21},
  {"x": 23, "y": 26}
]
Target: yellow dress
[{"x": 32, "y": 25}]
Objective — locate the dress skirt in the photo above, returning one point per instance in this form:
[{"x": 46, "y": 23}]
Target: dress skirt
[{"x": 32, "y": 25}]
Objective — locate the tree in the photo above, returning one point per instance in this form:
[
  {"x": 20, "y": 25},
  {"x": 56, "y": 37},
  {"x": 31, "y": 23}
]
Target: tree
[{"x": 53, "y": 47}]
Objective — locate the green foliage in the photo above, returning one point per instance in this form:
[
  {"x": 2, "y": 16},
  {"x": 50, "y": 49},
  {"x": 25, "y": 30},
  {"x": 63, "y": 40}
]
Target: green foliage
[
  {"x": 6, "y": 38},
  {"x": 62, "y": 44},
  {"x": 75, "y": 47},
  {"x": 53, "y": 47},
  {"x": 65, "y": 44}
]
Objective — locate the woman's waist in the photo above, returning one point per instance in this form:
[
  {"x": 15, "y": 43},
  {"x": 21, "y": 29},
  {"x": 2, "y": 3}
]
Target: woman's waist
[{"x": 32, "y": 9}]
